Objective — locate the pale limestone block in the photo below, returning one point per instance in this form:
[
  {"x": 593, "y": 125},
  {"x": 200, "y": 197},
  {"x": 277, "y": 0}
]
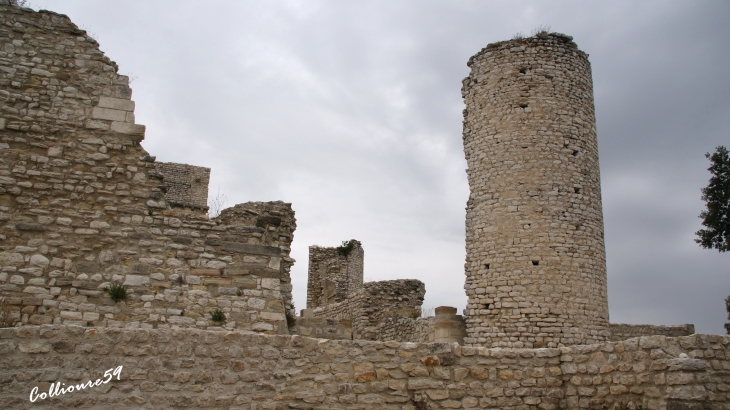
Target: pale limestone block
[
  {"x": 97, "y": 125},
  {"x": 39, "y": 260},
  {"x": 63, "y": 221},
  {"x": 55, "y": 151},
  {"x": 130, "y": 118},
  {"x": 108, "y": 114},
  {"x": 17, "y": 280},
  {"x": 99, "y": 224},
  {"x": 91, "y": 316},
  {"x": 2, "y": 127},
  {"x": 84, "y": 231},
  {"x": 256, "y": 303},
  {"x": 44, "y": 73},
  {"x": 270, "y": 283},
  {"x": 192, "y": 280},
  {"x": 275, "y": 263},
  {"x": 262, "y": 326},
  {"x": 136, "y": 280},
  {"x": 65, "y": 314},
  {"x": 3, "y": 276},
  {"x": 127, "y": 128},
  {"x": 271, "y": 316},
  {"x": 116, "y": 103}
]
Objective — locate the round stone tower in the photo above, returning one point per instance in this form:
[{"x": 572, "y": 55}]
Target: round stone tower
[{"x": 535, "y": 258}]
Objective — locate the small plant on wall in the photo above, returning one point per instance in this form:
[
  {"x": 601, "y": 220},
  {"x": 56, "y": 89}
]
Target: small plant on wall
[
  {"x": 291, "y": 320},
  {"x": 116, "y": 291},
  {"x": 346, "y": 248},
  {"x": 218, "y": 316}
]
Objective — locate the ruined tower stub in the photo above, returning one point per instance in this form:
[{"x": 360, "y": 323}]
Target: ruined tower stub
[
  {"x": 535, "y": 259},
  {"x": 333, "y": 274}
]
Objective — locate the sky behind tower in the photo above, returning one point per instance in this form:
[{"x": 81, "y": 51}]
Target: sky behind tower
[{"x": 351, "y": 111}]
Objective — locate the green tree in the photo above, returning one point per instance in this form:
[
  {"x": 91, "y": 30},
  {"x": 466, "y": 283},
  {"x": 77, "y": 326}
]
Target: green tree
[
  {"x": 717, "y": 216},
  {"x": 727, "y": 307},
  {"x": 717, "y": 196}
]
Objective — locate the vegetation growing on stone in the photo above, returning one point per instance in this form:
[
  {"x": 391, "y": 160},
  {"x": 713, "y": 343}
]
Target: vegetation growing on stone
[
  {"x": 218, "y": 316},
  {"x": 291, "y": 320},
  {"x": 116, "y": 291},
  {"x": 346, "y": 248}
]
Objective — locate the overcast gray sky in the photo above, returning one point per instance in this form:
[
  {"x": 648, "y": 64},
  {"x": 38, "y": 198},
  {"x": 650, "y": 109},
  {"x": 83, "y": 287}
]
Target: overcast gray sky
[{"x": 351, "y": 111}]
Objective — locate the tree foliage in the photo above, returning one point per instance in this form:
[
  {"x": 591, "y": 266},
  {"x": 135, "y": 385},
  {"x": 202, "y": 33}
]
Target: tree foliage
[
  {"x": 727, "y": 307},
  {"x": 716, "y": 218}
]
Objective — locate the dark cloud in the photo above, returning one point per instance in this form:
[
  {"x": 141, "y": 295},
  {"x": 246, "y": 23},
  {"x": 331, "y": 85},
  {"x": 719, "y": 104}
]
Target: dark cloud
[{"x": 352, "y": 112}]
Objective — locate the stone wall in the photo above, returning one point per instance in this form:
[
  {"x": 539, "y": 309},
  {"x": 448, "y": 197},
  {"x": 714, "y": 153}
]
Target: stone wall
[
  {"x": 240, "y": 370},
  {"x": 82, "y": 204},
  {"x": 620, "y": 331},
  {"x": 332, "y": 276},
  {"x": 375, "y": 302},
  {"x": 187, "y": 185},
  {"x": 322, "y": 328},
  {"x": 405, "y": 329},
  {"x": 535, "y": 259}
]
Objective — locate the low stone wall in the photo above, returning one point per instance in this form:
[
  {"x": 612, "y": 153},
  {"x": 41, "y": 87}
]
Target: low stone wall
[
  {"x": 322, "y": 328},
  {"x": 376, "y": 302},
  {"x": 241, "y": 370},
  {"x": 620, "y": 331},
  {"x": 404, "y": 329}
]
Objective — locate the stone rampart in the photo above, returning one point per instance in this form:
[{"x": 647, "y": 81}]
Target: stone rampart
[
  {"x": 375, "y": 302},
  {"x": 241, "y": 370},
  {"x": 82, "y": 205},
  {"x": 333, "y": 276},
  {"x": 186, "y": 185},
  {"x": 535, "y": 259},
  {"x": 620, "y": 331}
]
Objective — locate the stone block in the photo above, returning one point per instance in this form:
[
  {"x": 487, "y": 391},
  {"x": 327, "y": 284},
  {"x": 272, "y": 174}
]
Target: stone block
[
  {"x": 236, "y": 247},
  {"x": 116, "y": 103},
  {"x": 127, "y": 128},
  {"x": 108, "y": 114},
  {"x": 136, "y": 280}
]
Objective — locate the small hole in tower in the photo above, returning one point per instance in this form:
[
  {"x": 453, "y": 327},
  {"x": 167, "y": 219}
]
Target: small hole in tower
[
  {"x": 577, "y": 190},
  {"x": 523, "y": 70},
  {"x": 486, "y": 266},
  {"x": 535, "y": 263},
  {"x": 487, "y": 306},
  {"x": 575, "y": 152}
]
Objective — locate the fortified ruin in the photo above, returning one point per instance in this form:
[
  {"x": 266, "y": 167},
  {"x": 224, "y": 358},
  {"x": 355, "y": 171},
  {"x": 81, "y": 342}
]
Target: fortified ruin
[
  {"x": 84, "y": 207},
  {"x": 535, "y": 260}
]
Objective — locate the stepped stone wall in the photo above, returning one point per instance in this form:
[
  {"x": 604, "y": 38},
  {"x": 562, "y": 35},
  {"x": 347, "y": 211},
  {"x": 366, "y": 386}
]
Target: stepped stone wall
[
  {"x": 535, "y": 259},
  {"x": 194, "y": 368},
  {"x": 375, "y": 302},
  {"x": 187, "y": 185},
  {"x": 331, "y": 276},
  {"x": 82, "y": 205}
]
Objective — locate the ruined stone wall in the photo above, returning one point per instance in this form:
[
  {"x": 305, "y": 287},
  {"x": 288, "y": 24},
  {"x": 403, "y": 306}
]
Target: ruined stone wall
[
  {"x": 620, "y": 331},
  {"x": 331, "y": 276},
  {"x": 82, "y": 205},
  {"x": 375, "y": 302},
  {"x": 405, "y": 329},
  {"x": 218, "y": 369},
  {"x": 535, "y": 259},
  {"x": 187, "y": 185},
  {"x": 322, "y": 328}
]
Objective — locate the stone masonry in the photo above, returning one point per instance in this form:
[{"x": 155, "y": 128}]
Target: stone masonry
[
  {"x": 192, "y": 368},
  {"x": 535, "y": 260},
  {"x": 331, "y": 276},
  {"x": 187, "y": 185},
  {"x": 82, "y": 205}
]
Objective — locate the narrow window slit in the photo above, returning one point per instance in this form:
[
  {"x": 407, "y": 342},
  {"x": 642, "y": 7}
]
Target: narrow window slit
[{"x": 535, "y": 263}]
